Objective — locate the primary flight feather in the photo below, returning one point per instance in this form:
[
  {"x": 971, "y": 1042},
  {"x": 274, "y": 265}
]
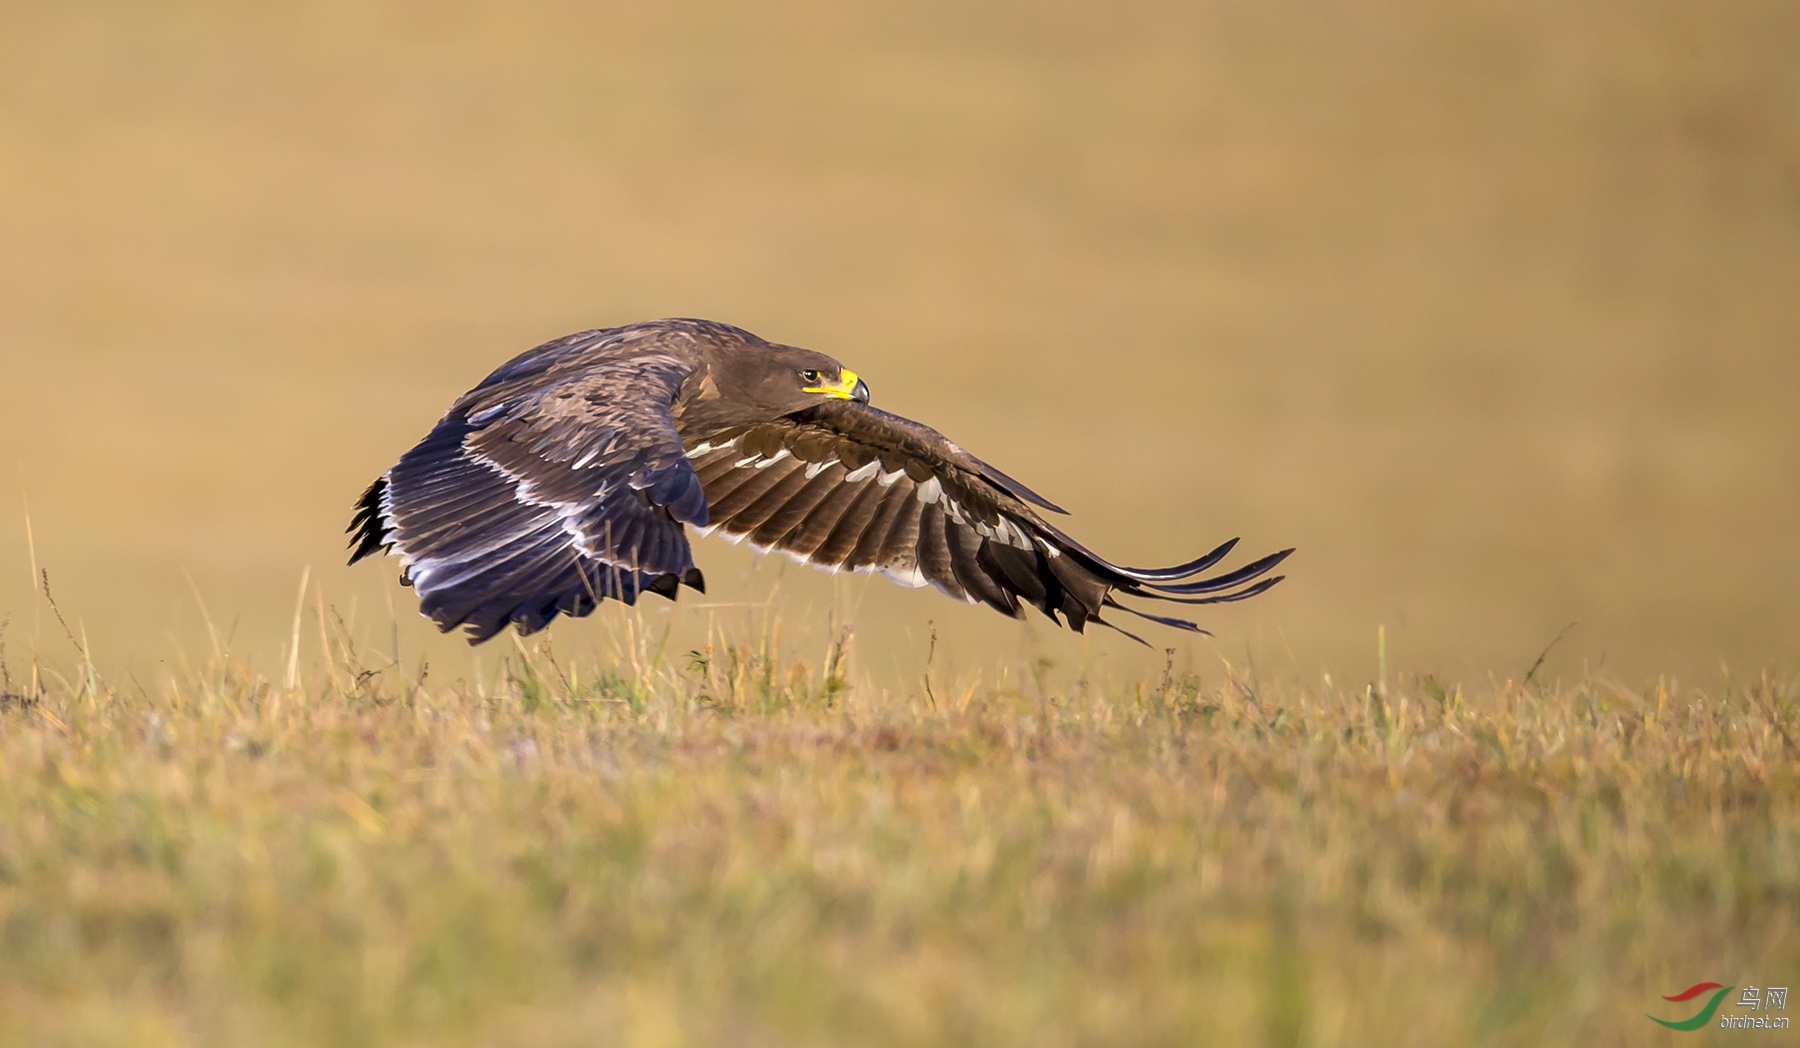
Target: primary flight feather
[{"x": 572, "y": 473}]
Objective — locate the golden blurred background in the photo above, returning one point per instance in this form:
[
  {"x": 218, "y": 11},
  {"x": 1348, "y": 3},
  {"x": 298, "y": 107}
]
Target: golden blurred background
[{"x": 1490, "y": 308}]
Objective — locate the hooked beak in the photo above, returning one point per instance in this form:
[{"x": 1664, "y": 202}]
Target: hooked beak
[{"x": 848, "y": 387}]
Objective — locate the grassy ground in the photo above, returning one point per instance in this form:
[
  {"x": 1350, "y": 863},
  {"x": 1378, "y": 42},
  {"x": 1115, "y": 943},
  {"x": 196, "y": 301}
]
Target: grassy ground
[{"x": 728, "y": 846}]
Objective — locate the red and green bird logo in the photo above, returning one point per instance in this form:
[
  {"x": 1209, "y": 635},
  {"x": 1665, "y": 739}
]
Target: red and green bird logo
[{"x": 1701, "y": 1017}]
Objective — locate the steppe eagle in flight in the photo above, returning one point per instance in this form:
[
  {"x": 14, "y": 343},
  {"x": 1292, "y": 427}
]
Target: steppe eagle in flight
[{"x": 572, "y": 473}]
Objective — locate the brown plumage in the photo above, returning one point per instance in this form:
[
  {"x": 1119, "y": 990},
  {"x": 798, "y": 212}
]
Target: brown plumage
[{"x": 570, "y": 474}]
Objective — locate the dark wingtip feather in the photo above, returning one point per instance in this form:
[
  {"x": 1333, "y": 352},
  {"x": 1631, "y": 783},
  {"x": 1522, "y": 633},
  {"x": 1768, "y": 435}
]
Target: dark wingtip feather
[
  {"x": 1117, "y": 629},
  {"x": 1179, "y": 571},
  {"x": 368, "y": 533},
  {"x": 1225, "y": 581},
  {"x": 1222, "y": 598},
  {"x": 1165, "y": 620},
  {"x": 1019, "y": 490}
]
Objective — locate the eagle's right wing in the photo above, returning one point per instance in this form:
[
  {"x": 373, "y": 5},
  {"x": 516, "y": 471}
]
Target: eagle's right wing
[{"x": 542, "y": 491}]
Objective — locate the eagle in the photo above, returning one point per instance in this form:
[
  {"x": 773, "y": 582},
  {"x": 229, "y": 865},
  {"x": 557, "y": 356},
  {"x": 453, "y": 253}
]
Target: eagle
[{"x": 573, "y": 473}]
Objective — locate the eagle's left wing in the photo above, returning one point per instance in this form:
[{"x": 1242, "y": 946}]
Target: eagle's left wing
[{"x": 848, "y": 487}]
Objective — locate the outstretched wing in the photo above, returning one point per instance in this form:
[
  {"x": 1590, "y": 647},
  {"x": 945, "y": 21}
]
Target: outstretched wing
[
  {"x": 542, "y": 491},
  {"x": 848, "y": 487}
]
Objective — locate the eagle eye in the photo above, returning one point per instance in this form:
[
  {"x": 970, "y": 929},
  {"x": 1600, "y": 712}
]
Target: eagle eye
[{"x": 810, "y": 376}]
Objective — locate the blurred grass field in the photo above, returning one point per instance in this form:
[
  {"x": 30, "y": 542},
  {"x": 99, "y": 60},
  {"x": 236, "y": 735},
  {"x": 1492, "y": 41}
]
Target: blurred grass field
[{"x": 1488, "y": 308}]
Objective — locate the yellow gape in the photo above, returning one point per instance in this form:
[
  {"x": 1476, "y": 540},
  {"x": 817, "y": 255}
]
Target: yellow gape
[{"x": 844, "y": 390}]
